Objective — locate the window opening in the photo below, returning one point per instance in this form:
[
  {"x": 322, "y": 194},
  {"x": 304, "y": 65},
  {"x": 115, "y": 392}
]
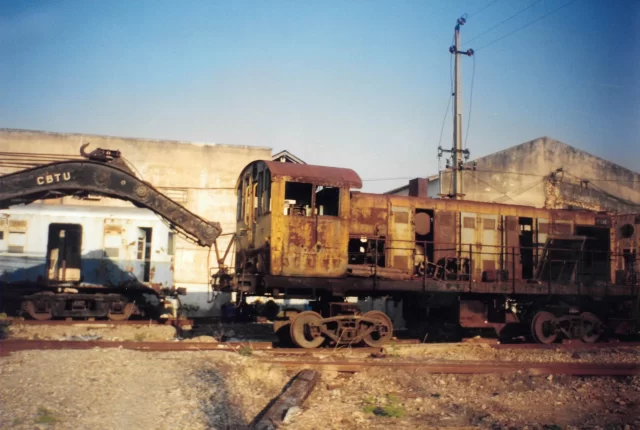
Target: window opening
[
  {"x": 240, "y": 197},
  {"x": 144, "y": 251},
  {"x": 112, "y": 244},
  {"x": 260, "y": 195},
  {"x": 171, "y": 244},
  {"x": 64, "y": 257},
  {"x": 246, "y": 205},
  {"x": 267, "y": 192},
  {"x": 298, "y": 199},
  {"x": 363, "y": 251},
  {"x": 327, "y": 201},
  {"x": 254, "y": 197},
  {"x": 526, "y": 247},
  {"x": 594, "y": 262},
  {"x": 17, "y": 242},
  {"x": 424, "y": 251}
]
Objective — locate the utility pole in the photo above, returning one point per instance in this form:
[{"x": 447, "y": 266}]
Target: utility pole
[{"x": 457, "y": 152}]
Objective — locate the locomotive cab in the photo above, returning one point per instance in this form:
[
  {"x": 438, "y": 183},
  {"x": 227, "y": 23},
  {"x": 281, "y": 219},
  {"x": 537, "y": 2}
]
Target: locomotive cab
[{"x": 293, "y": 219}]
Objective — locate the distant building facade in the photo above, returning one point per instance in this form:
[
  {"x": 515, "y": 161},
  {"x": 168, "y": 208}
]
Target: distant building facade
[{"x": 543, "y": 173}]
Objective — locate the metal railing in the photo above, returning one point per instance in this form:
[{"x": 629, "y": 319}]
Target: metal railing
[{"x": 571, "y": 261}]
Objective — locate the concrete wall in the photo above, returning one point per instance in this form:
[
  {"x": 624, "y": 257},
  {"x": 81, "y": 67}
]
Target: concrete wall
[
  {"x": 205, "y": 173},
  {"x": 520, "y": 175}
]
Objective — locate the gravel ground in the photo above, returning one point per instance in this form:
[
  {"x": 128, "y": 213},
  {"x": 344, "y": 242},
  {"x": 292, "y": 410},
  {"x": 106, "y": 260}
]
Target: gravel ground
[
  {"x": 483, "y": 352},
  {"x": 119, "y": 389},
  {"x": 410, "y": 400},
  {"x": 81, "y": 331}
]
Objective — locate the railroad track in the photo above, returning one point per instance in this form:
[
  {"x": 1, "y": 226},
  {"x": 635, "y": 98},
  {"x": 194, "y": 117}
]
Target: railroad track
[
  {"x": 468, "y": 367},
  {"x": 98, "y": 323},
  {"x": 323, "y": 360}
]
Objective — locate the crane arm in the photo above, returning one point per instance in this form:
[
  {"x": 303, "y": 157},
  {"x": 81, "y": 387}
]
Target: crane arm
[{"x": 101, "y": 174}]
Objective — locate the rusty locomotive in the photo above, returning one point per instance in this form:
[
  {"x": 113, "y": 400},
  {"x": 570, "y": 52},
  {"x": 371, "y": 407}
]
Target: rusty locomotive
[{"x": 303, "y": 231}]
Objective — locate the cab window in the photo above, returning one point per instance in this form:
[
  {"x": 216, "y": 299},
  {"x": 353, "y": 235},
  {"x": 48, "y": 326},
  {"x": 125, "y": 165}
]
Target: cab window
[
  {"x": 298, "y": 198},
  {"x": 328, "y": 201}
]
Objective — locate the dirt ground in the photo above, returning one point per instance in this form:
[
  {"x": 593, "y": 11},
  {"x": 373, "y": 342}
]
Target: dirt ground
[
  {"x": 411, "y": 400},
  {"x": 81, "y": 331},
  {"x": 121, "y": 389}
]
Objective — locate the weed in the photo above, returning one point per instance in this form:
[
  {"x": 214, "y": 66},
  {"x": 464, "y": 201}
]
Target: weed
[
  {"x": 393, "y": 350},
  {"x": 245, "y": 351},
  {"x": 45, "y": 416},
  {"x": 392, "y": 409},
  {"x": 4, "y": 329},
  {"x": 139, "y": 337},
  {"x": 16, "y": 422}
]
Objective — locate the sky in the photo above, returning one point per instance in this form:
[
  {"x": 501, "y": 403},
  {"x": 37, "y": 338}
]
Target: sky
[{"x": 362, "y": 84}]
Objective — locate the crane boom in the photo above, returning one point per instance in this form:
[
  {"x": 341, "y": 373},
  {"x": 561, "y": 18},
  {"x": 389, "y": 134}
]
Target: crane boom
[{"x": 102, "y": 174}]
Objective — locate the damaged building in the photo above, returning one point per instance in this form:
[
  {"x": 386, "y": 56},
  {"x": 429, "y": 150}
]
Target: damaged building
[{"x": 543, "y": 173}]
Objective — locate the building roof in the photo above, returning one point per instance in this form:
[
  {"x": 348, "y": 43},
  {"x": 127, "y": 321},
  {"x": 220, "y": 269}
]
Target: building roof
[
  {"x": 336, "y": 176},
  {"x": 287, "y": 157},
  {"x": 83, "y": 137},
  {"x": 406, "y": 187},
  {"x": 512, "y": 158}
]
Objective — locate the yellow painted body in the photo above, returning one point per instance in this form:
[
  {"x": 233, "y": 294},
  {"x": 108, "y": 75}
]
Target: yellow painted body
[{"x": 310, "y": 244}]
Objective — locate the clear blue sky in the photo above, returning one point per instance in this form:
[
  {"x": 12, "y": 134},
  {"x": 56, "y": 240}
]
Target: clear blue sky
[{"x": 360, "y": 84}]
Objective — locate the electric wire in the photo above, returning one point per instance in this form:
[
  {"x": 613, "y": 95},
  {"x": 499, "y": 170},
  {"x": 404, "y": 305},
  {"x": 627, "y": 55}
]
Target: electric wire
[
  {"x": 502, "y": 172},
  {"x": 502, "y": 22},
  {"x": 446, "y": 112},
  {"x": 473, "y": 75},
  {"x": 527, "y": 25},
  {"x": 482, "y": 9}
]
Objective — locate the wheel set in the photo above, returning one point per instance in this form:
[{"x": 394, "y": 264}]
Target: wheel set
[
  {"x": 310, "y": 330},
  {"x": 546, "y": 327}
]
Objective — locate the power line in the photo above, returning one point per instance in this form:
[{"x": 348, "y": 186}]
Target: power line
[
  {"x": 477, "y": 12},
  {"x": 502, "y": 22},
  {"x": 444, "y": 120},
  {"x": 523, "y": 27},
  {"x": 473, "y": 75},
  {"x": 502, "y": 172}
]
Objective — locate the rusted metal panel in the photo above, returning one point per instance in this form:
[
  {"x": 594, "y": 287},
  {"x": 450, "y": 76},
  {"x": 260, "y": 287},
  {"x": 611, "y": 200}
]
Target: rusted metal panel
[
  {"x": 512, "y": 247},
  {"x": 308, "y": 245},
  {"x": 445, "y": 234},
  {"x": 369, "y": 213},
  {"x": 334, "y": 176},
  {"x": 401, "y": 243},
  {"x": 490, "y": 247}
]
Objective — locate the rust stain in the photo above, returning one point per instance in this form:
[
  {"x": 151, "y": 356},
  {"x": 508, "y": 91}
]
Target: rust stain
[{"x": 315, "y": 174}]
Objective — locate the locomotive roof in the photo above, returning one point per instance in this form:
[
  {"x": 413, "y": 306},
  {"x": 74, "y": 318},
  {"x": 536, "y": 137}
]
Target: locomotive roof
[{"x": 334, "y": 176}]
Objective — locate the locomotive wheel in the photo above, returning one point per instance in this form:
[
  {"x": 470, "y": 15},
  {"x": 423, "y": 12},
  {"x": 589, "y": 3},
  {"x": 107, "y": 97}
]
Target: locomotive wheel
[
  {"x": 302, "y": 334},
  {"x": 383, "y": 332},
  {"x": 541, "y": 328},
  {"x": 591, "y": 325},
  {"x": 30, "y": 307},
  {"x": 126, "y": 313}
]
